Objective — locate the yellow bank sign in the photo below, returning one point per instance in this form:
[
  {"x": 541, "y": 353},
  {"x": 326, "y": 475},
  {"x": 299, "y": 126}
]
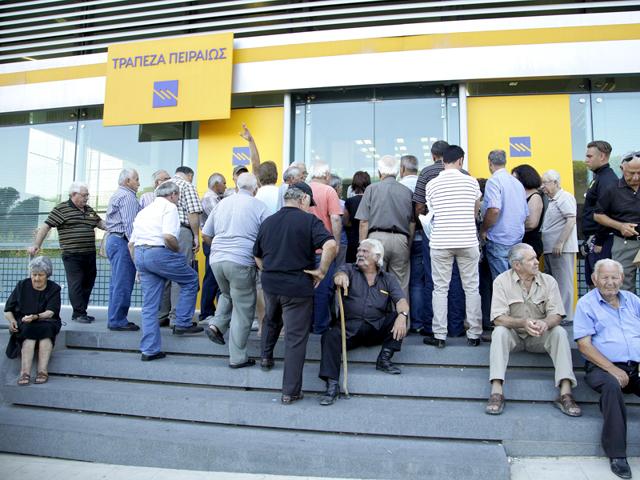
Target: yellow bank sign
[{"x": 171, "y": 80}]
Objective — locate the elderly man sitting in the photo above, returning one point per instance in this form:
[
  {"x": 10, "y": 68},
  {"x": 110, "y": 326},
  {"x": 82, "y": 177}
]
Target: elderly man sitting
[
  {"x": 526, "y": 310},
  {"x": 370, "y": 295},
  {"x": 607, "y": 330}
]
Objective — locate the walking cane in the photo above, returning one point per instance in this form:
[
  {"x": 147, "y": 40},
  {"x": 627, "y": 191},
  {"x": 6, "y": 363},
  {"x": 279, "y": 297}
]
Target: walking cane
[{"x": 343, "y": 331}]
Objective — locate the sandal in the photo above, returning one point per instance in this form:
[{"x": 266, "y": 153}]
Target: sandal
[
  {"x": 25, "y": 379},
  {"x": 495, "y": 405},
  {"x": 41, "y": 378},
  {"x": 568, "y": 405}
]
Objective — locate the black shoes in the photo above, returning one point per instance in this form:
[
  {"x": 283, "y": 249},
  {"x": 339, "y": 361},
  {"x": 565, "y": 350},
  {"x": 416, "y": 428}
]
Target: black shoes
[
  {"x": 473, "y": 342},
  {"x": 289, "y": 399},
  {"x": 620, "y": 467},
  {"x": 331, "y": 395},
  {"x": 384, "y": 364},
  {"x": 249, "y": 363},
  {"x": 214, "y": 335},
  {"x": 266, "y": 364},
  {"x": 192, "y": 330},
  {"x": 155, "y": 356},
  {"x": 129, "y": 327},
  {"x": 83, "y": 319},
  {"x": 434, "y": 342}
]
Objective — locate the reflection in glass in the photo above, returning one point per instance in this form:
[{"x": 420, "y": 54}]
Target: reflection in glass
[{"x": 579, "y": 107}]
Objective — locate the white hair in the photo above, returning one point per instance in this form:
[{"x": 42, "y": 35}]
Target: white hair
[
  {"x": 552, "y": 175},
  {"x": 41, "y": 264},
  {"x": 389, "y": 165},
  {"x": 248, "y": 182},
  {"x": 125, "y": 173},
  {"x": 167, "y": 188},
  {"x": 320, "y": 170},
  {"x": 516, "y": 254},
  {"x": 290, "y": 173},
  {"x": 376, "y": 248},
  {"x": 607, "y": 262},
  {"x": 76, "y": 187},
  {"x": 215, "y": 179},
  {"x": 156, "y": 175}
]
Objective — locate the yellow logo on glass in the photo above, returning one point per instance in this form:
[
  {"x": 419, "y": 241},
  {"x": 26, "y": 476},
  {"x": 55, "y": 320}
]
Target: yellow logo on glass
[{"x": 172, "y": 80}]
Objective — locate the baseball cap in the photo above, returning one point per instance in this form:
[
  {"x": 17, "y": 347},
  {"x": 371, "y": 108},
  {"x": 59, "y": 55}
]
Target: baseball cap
[{"x": 306, "y": 189}]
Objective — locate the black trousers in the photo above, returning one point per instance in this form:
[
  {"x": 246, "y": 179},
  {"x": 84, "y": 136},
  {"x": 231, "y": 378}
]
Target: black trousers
[
  {"x": 81, "y": 276},
  {"x": 614, "y": 428},
  {"x": 366, "y": 336},
  {"x": 296, "y": 314}
]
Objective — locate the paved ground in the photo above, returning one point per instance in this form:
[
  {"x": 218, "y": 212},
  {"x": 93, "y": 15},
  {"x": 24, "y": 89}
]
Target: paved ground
[{"x": 20, "y": 467}]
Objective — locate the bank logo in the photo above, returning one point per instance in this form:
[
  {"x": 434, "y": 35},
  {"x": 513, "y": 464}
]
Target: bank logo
[
  {"x": 520, "y": 146},
  {"x": 241, "y": 156},
  {"x": 165, "y": 94}
]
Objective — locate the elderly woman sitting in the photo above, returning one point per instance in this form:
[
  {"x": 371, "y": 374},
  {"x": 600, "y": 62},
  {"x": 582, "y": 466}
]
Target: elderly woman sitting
[
  {"x": 559, "y": 238},
  {"x": 33, "y": 313}
]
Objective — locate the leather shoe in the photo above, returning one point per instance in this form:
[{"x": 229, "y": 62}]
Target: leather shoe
[
  {"x": 129, "y": 327},
  {"x": 266, "y": 364},
  {"x": 155, "y": 356},
  {"x": 164, "y": 322},
  {"x": 249, "y": 363},
  {"x": 214, "y": 334},
  {"x": 91, "y": 317},
  {"x": 331, "y": 395},
  {"x": 289, "y": 399},
  {"x": 620, "y": 467},
  {"x": 434, "y": 342},
  {"x": 384, "y": 364},
  {"x": 192, "y": 330},
  {"x": 473, "y": 342},
  {"x": 82, "y": 319}
]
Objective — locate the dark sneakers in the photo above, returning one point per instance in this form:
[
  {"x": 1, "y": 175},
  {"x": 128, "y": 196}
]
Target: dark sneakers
[
  {"x": 620, "y": 467},
  {"x": 192, "y": 330}
]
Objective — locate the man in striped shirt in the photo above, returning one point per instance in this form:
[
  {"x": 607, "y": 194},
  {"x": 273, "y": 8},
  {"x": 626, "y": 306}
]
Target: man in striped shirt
[
  {"x": 121, "y": 212},
  {"x": 76, "y": 223},
  {"x": 159, "y": 176},
  {"x": 454, "y": 199}
]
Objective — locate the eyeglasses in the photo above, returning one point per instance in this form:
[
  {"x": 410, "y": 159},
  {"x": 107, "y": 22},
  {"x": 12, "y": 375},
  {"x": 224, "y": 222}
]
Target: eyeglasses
[{"x": 627, "y": 157}]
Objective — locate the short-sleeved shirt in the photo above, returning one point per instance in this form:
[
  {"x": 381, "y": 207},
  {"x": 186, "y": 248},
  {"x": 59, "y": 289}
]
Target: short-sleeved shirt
[
  {"x": 426, "y": 175},
  {"x": 154, "y": 222},
  {"x": 453, "y": 196},
  {"x": 189, "y": 201},
  {"x": 76, "y": 227},
  {"x": 387, "y": 206},
  {"x": 510, "y": 298},
  {"x": 369, "y": 303},
  {"x": 506, "y": 193},
  {"x": 269, "y": 195},
  {"x": 614, "y": 332},
  {"x": 234, "y": 225},
  {"x": 209, "y": 201},
  {"x": 121, "y": 211},
  {"x": 409, "y": 181},
  {"x": 604, "y": 178},
  {"x": 327, "y": 203},
  {"x": 621, "y": 203},
  {"x": 561, "y": 207},
  {"x": 147, "y": 199},
  {"x": 286, "y": 243}
]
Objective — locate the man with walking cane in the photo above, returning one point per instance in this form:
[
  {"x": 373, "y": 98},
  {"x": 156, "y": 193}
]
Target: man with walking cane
[{"x": 376, "y": 312}]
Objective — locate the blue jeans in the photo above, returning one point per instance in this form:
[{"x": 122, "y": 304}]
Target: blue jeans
[
  {"x": 210, "y": 288},
  {"x": 157, "y": 265},
  {"x": 498, "y": 257},
  {"x": 455, "y": 301},
  {"x": 417, "y": 287},
  {"x": 123, "y": 275},
  {"x": 323, "y": 300}
]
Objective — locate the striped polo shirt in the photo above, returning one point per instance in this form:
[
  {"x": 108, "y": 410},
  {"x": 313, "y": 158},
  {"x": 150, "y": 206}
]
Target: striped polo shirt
[
  {"x": 452, "y": 196},
  {"x": 76, "y": 228}
]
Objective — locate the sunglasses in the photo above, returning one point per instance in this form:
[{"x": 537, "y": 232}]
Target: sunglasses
[{"x": 627, "y": 157}]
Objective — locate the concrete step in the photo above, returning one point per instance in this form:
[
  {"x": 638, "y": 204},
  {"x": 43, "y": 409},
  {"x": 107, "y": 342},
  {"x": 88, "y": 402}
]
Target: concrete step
[
  {"x": 413, "y": 350},
  {"x": 416, "y": 381},
  {"x": 195, "y": 446},
  {"x": 532, "y": 428}
]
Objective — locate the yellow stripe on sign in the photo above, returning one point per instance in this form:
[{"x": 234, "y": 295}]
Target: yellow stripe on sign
[
  {"x": 371, "y": 45},
  {"x": 515, "y": 146},
  {"x": 524, "y": 147},
  {"x": 169, "y": 93},
  {"x": 160, "y": 94}
]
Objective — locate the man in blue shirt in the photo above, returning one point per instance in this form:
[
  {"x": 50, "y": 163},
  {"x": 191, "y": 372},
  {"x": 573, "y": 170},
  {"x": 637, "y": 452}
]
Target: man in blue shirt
[
  {"x": 502, "y": 227},
  {"x": 607, "y": 329}
]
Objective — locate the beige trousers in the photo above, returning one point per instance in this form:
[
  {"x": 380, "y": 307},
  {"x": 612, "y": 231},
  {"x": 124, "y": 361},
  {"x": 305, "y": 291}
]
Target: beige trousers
[
  {"x": 554, "y": 341},
  {"x": 396, "y": 256}
]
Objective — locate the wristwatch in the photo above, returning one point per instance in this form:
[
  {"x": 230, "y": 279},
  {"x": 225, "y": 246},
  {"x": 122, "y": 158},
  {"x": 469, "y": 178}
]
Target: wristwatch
[{"x": 406, "y": 314}]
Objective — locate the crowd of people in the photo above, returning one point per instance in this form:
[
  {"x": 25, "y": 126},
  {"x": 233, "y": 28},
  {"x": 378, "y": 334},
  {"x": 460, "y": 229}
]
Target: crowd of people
[{"x": 435, "y": 253}]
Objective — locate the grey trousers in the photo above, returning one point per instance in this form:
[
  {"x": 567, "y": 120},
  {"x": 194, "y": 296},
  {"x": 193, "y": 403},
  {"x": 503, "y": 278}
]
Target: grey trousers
[
  {"x": 236, "y": 306},
  {"x": 172, "y": 289},
  {"x": 624, "y": 251},
  {"x": 396, "y": 256},
  {"x": 562, "y": 268}
]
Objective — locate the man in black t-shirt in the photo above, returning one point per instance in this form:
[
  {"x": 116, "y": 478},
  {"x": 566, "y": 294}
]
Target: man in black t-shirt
[{"x": 285, "y": 253}]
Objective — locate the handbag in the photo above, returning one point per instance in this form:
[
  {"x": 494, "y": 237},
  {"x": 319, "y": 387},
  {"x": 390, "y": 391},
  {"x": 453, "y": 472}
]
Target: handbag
[{"x": 13, "y": 346}]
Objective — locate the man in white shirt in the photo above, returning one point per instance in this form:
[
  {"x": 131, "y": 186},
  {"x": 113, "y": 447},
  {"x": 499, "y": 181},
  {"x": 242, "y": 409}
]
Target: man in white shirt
[
  {"x": 155, "y": 251},
  {"x": 454, "y": 199}
]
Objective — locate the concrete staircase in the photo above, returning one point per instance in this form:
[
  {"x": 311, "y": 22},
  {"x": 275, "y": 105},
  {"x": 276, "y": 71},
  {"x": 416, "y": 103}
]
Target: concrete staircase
[{"x": 191, "y": 411}]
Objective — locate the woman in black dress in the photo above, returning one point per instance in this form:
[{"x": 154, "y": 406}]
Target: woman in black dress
[
  {"x": 532, "y": 182},
  {"x": 361, "y": 180},
  {"x": 33, "y": 313}
]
